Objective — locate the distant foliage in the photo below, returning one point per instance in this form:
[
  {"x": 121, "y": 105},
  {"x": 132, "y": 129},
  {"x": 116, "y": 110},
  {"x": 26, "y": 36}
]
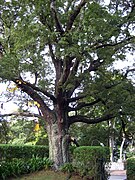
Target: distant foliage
[
  {"x": 8, "y": 152},
  {"x": 131, "y": 168},
  {"x": 20, "y": 131},
  {"x": 92, "y": 135},
  {"x": 91, "y": 161}
]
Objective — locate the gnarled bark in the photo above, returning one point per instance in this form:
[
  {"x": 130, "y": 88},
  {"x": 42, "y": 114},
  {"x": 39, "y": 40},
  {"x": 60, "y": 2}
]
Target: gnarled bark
[{"x": 58, "y": 145}]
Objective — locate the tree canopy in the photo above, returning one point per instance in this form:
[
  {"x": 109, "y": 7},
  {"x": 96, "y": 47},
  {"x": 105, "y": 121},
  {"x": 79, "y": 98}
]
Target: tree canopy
[{"x": 61, "y": 43}]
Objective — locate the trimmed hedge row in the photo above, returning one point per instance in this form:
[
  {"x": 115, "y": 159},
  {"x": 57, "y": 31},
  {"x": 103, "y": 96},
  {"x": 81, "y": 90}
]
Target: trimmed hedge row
[
  {"x": 131, "y": 168},
  {"x": 92, "y": 161},
  {"x": 25, "y": 152}
]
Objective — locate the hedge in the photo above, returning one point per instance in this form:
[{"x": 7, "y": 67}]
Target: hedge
[
  {"x": 91, "y": 161},
  {"x": 25, "y": 152},
  {"x": 131, "y": 168}
]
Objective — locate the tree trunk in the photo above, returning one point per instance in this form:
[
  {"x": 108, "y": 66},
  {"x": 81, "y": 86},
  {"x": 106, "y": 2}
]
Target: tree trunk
[
  {"x": 111, "y": 145},
  {"x": 111, "y": 140},
  {"x": 121, "y": 148},
  {"x": 58, "y": 144}
]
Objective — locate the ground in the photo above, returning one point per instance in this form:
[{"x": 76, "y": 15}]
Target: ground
[
  {"x": 47, "y": 175},
  {"x": 51, "y": 175}
]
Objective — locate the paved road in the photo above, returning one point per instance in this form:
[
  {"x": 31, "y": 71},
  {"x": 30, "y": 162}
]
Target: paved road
[{"x": 118, "y": 175}]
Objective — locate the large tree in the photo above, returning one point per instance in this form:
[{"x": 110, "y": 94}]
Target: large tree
[{"x": 68, "y": 48}]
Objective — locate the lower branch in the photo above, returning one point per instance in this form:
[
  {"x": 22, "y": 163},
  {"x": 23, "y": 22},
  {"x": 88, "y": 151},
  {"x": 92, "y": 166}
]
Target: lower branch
[
  {"x": 83, "y": 104},
  {"x": 85, "y": 119},
  {"x": 25, "y": 114}
]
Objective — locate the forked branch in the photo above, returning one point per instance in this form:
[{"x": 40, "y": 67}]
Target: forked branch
[
  {"x": 55, "y": 16},
  {"x": 74, "y": 14}
]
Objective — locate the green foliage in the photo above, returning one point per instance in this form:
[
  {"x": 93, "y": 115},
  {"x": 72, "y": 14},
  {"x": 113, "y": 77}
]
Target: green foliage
[
  {"x": 91, "y": 160},
  {"x": 21, "y": 131},
  {"x": 131, "y": 168},
  {"x": 68, "y": 167},
  {"x": 29, "y": 28},
  {"x": 17, "y": 167},
  {"x": 130, "y": 152},
  {"x": 36, "y": 163},
  {"x": 4, "y": 132},
  {"x": 90, "y": 135},
  {"x": 24, "y": 152},
  {"x": 47, "y": 163}
]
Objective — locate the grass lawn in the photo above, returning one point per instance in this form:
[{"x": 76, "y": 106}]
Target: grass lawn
[{"x": 47, "y": 175}]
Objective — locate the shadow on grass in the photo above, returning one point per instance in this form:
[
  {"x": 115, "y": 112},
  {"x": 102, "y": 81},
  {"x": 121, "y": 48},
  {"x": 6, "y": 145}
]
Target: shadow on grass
[{"x": 47, "y": 175}]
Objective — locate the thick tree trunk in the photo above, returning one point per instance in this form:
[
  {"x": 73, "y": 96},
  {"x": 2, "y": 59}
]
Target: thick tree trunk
[{"x": 58, "y": 145}]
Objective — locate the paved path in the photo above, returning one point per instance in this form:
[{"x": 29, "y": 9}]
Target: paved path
[{"x": 118, "y": 175}]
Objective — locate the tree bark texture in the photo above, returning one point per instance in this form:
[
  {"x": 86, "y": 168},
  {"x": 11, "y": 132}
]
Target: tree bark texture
[{"x": 58, "y": 145}]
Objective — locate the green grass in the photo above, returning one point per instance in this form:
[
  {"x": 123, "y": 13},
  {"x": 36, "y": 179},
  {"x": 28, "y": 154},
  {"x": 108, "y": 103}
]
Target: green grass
[{"x": 47, "y": 175}]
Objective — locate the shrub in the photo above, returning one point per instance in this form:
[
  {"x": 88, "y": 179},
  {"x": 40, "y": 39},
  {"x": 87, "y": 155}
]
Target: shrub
[
  {"x": 18, "y": 167},
  {"x": 14, "y": 151},
  {"x": 91, "y": 161},
  {"x": 131, "y": 168},
  {"x": 68, "y": 167},
  {"x": 130, "y": 154}
]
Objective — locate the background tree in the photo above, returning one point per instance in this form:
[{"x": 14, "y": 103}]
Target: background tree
[
  {"x": 22, "y": 131},
  {"x": 68, "y": 48},
  {"x": 4, "y": 132},
  {"x": 92, "y": 135}
]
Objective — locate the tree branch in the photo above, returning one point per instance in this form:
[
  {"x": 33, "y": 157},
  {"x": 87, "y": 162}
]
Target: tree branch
[
  {"x": 42, "y": 91},
  {"x": 123, "y": 124},
  {"x": 29, "y": 89},
  {"x": 75, "y": 14},
  {"x": 85, "y": 119},
  {"x": 95, "y": 65},
  {"x": 43, "y": 19},
  {"x": 1, "y": 50},
  {"x": 25, "y": 114},
  {"x": 57, "y": 63},
  {"x": 128, "y": 71},
  {"x": 73, "y": 71},
  {"x": 76, "y": 84},
  {"x": 69, "y": 2},
  {"x": 75, "y": 98},
  {"x": 131, "y": 12},
  {"x": 52, "y": 53},
  {"x": 83, "y": 104},
  {"x": 114, "y": 44},
  {"x": 66, "y": 69},
  {"x": 54, "y": 14}
]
